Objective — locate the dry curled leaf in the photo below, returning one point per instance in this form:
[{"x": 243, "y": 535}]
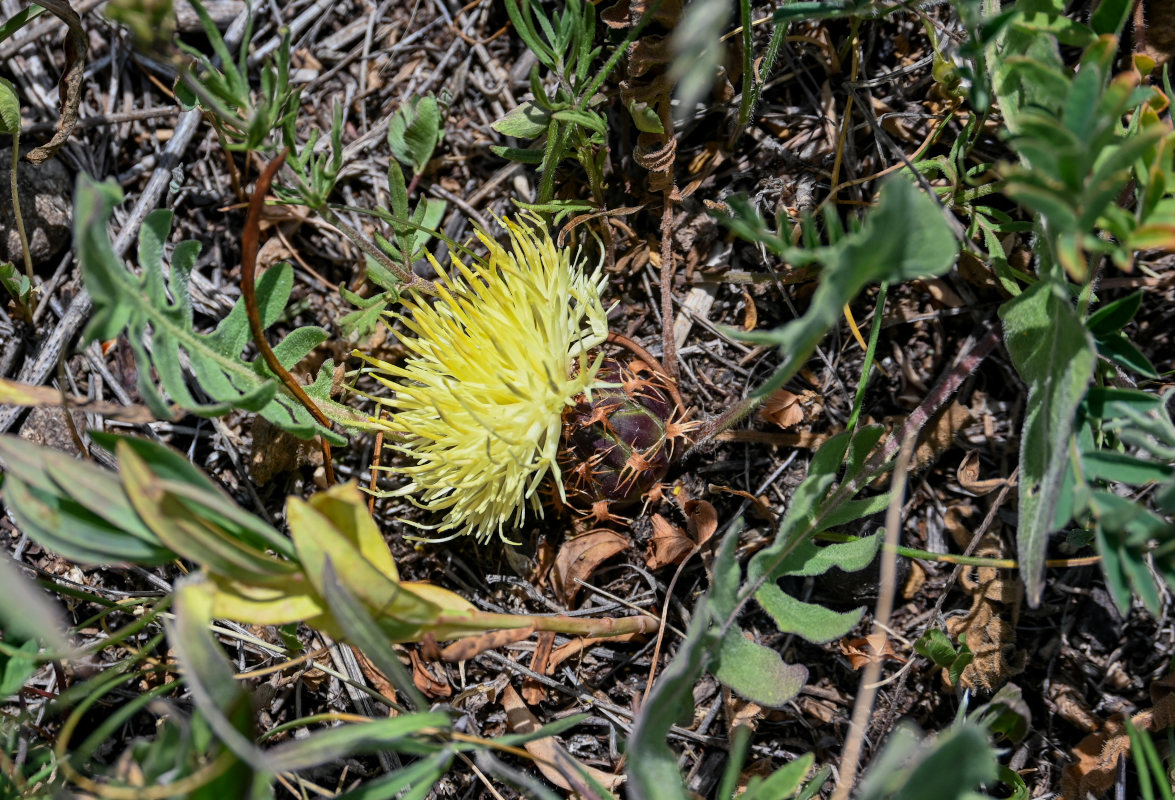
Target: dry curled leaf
[
  {"x": 787, "y": 409},
  {"x": 580, "y": 556},
  {"x": 470, "y": 646},
  {"x": 968, "y": 475},
  {"x": 70, "y": 87},
  {"x": 425, "y": 680},
  {"x": 668, "y": 545},
  {"x": 553, "y": 761},
  {"x": 1097, "y": 754},
  {"x": 760, "y": 506},
  {"x": 579, "y": 645},
  {"x": 14, "y": 393},
  {"x": 940, "y": 433},
  {"x": 701, "y": 520},
  {"x": 869, "y": 650},
  {"x": 534, "y": 692}
]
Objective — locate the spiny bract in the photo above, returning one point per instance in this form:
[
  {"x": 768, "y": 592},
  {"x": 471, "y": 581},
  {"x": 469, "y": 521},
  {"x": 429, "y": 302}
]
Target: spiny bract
[{"x": 494, "y": 360}]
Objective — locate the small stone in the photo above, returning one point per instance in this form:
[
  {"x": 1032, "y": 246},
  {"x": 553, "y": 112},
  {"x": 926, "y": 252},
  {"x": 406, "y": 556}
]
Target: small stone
[{"x": 46, "y": 193}]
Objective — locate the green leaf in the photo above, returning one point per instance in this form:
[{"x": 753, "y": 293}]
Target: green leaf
[
  {"x": 141, "y": 307},
  {"x": 407, "y": 733},
  {"x": 652, "y": 765},
  {"x": 587, "y": 119},
  {"x": 414, "y": 782},
  {"x": 319, "y": 539},
  {"x": 1110, "y": 16},
  {"x": 1122, "y": 468},
  {"x": 905, "y": 236},
  {"x": 19, "y": 20},
  {"x": 1122, "y": 351},
  {"x": 1054, "y": 355},
  {"x": 949, "y": 766},
  {"x": 806, "y": 559},
  {"x": 936, "y": 645},
  {"x": 815, "y": 623},
  {"x": 363, "y": 320},
  {"x": 521, "y": 155},
  {"x": 525, "y": 121},
  {"x": 645, "y": 117},
  {"x": 206, "y": 527},
  {"x": 758, "y": 673},
  {"x": 1113, "y": 317},
  {"x": 74, "y": 508},
  {"x": 363, "y": 632},
  {"x": 1007, "y": 714},
  {"x": 1125, "y": 533},
  {"x": 16, "y": 669},
  {"x": 28, "y": 612},
  {"x": 9, "y": 109},
  {"x": 784, "y": 782},
  {"x": 222, "y": 702},
  {"x": 965, "y": 657},
  {"x": 415, "y": 130}
]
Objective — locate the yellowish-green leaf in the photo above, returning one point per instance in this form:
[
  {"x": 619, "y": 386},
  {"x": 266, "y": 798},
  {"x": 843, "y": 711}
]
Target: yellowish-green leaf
[{"x": 346, "y": 509}]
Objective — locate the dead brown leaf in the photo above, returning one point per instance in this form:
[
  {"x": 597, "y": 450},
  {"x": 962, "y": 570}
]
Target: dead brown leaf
[
  {"x": 968, "y": 475},
  {"x": 580, "y": 644},
  {"x": 470, "y": 646},
  {"x": 69, "y": 88},
  {"x": 14, "y": 393},
  {"x": 1097, "y": 754},
  {"x": 914, "y": 581},
  {"x": 787, "y": 409},
  {"x": 668, "y": 545},
  {"x": 580, "y": 556},
  {"x": 425, "y": 680},
  {"x": 760, "y": 507},
  {"x": 751, "y": 315},
  {"x": 701, "y": 519},
  {"x": 869, "y": 649},
  {"x": 940, "y": 434},
  {"x": 534, "y": 692},
  {"x": 549, "y": 756},
  {"x": 377, "y": 679}
]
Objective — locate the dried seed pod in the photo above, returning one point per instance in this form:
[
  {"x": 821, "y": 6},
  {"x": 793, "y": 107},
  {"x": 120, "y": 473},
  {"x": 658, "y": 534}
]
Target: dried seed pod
[{"x": 619, "y": 444}]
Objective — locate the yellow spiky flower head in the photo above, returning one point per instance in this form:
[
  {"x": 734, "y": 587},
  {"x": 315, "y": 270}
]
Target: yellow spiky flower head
[{"x": 494, "y": 360}]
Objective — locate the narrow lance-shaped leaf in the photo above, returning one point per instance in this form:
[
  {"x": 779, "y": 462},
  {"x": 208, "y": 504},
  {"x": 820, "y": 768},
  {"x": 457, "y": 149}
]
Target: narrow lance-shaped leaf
[
  {"x": 1054, "y": 354},
  {"x": 906, "y": 236}
]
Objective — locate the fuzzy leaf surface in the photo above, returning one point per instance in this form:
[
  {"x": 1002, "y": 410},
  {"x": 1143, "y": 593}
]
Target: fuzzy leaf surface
[
  {"x": 1054, "y": 354},
  {"x": 157, "y": 318}
]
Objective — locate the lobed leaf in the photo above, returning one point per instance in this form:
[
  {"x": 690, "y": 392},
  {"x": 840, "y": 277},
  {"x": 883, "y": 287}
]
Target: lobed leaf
[{"x": 158, "y": 322}]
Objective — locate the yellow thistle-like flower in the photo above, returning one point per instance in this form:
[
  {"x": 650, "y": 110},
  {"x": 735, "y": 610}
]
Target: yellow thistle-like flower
[{"x": 494, "y": 361}]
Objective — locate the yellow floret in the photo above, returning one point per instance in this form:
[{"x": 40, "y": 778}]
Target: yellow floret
[{"x": 494, "y": 360}]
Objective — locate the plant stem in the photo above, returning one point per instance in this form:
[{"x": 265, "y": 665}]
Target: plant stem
[
  {"x": 870, "y": 354},
  {"x": 750, "y": 85},
  {"x": 24, "y": 239},
  {"x": 411, "y": 280},
  {"x": 249, "y": 247}
]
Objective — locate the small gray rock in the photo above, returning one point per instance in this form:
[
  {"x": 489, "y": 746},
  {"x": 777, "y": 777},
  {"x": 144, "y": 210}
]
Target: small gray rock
[{"x": 46, "y": 192}]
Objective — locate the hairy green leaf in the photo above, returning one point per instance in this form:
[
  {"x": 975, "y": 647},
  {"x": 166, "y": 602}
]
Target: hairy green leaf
[
  {"x": 415, "y": 130},
  {"x": 652, "y": 765},
  {"x": 906, "y": 236},
  {"x": 9, "y": 108},
  {"x": 74, "y": 508},
  {"x": 525, "y": 121},
  {"x": 1054, "y": 354},
  {"x": 141, "y": 307},
  {"x": 949, "y": 766}
]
